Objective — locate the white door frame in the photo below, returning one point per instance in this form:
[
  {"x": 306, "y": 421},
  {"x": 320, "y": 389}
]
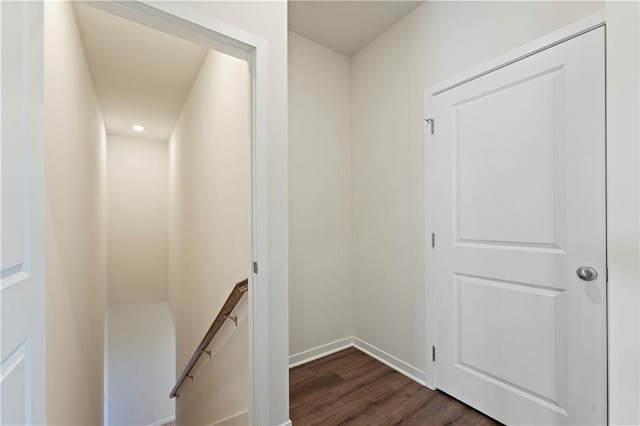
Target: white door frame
[
  {"x": 580, "y": 27},
  {"x": 181, "y": 21}
]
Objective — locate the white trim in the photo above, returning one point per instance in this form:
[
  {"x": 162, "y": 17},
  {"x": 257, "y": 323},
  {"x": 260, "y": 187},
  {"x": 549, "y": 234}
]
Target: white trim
[
  {"x": 13, "y": 279},
  {"x": 259, "y": 362},
  {"x": 164, "y": 421},
  {"x": 374, "y": 352},
  {"x": 235, "y": 416},
  {"x": 563, "y": 34},
  {"x": 179, "y": 19},
  {"x": 554, "y": 38},
  {"x": 288, "y": 423},
  {"x": 391, "y": 361},
  {"x": 320, "y": 352}
]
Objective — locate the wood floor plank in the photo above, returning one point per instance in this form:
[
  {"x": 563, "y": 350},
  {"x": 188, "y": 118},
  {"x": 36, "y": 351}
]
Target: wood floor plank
[
  {"x": 351, "y": 388},
  {"x": 313, "y": 388}
]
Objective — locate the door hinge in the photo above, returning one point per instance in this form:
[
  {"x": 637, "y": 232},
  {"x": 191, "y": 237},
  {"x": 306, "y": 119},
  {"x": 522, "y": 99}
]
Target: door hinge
[
  {"x": 606, "y": 274},
  {"x": 255, "y": 267},
  {"x": 433, "y": 353},
  {"x": 433, "y": 239},
  {"x": 431, "y": 122}
]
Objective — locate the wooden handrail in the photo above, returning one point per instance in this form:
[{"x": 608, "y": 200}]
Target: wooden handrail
[{"x": 232, "y": 301}]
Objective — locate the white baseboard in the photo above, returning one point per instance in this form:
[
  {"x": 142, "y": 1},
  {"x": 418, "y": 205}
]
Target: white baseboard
[
  {"x": 237, "y": 419},
  {"x": 320, "y": 351},
  {"x": 164, "y": 421},
  {"x": 287, "y": 423},
  {"x": 391, "y": 361}
]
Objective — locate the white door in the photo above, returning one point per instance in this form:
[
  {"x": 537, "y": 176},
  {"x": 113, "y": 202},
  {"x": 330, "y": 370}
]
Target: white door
[
  {"x": 22, "y": 369},
  {"x": 519, "y": 167}
]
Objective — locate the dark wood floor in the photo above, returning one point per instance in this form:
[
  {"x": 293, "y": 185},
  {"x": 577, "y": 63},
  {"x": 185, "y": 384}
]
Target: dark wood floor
[{"x": 351, "y": 388}]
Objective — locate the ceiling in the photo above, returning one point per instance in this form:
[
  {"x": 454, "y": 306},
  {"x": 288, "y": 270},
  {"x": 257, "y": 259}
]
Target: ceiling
[
  {"x": 143, "y": 76},
  {"x": 140, "y": 75},
  {"x": 346, "y": 26}
]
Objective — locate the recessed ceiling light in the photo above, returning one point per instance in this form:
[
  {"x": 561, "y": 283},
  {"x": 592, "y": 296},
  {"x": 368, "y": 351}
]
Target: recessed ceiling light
[{"x": 138, "y": 128}]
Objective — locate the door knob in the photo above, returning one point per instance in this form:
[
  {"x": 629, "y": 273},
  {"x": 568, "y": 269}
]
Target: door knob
[{"x": 587, "y": 273}]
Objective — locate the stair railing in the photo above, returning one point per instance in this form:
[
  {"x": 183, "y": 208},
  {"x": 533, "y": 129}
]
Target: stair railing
[{"x": 232, "y": 301}]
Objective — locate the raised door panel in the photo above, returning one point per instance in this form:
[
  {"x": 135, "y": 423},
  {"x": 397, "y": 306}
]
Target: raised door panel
[
  {"x": 508, "y": 143},
  {"x": 525, "y": 322}
]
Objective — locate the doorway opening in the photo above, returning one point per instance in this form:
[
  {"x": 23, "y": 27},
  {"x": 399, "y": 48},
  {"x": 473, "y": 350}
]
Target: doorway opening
[{"x": 167, "y": 126}]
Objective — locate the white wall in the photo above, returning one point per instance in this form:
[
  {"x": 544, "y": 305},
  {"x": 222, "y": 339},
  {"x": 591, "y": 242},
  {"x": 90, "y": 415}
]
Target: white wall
[
  {"x": 210, "y": 228},
  {"x": 141, "y": 364},
  {"x": 141, "y": 333},
  {"x": 320, "y": 196},
  {"x": 623, "y": 184},
  {"x": 138, "y": 220},
  {"x": 436, "y": 41},
  {"x": 388, "y": 237},
  {"x": 75, "y": 152}
]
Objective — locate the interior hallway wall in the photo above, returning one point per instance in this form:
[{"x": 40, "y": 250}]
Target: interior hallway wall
[
  {"x": 76, "y": 290},
  {"x": 141, "y": 364},
  {"x": 141, "y": 333},
  {"x": 389, "y": 76},
  {"x": 210, "y": 233},
  {"x": 138, "y": 220},
  {"x": 320, "y": 203},
  {"x": 623, "y": 210}
]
